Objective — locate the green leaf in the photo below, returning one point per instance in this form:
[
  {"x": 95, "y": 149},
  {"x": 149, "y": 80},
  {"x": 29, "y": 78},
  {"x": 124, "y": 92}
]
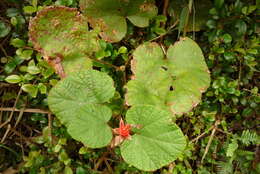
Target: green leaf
[
  {"x": 249, "y": 137},
  {"x": 17, "y": 42},
  {"x": 12, "y": 12},
  {"x": 29, "y": 9},
  {"x": 122, "y": 50},
  {"x": 64, "y": 2},
  {"x": 26, "y": 54},
  {"x": 218, "y": 3},
  {"x": 34, "y": 3},
  {"x": 79, "y": 102},
  {"x": 184, "y": 18},
  {"x": 80, "y": 170},
  {"x": 4, "y": 29},
  {"x": 14, "y": 21},
  {"x": 68, "y": 170},
  {"x": 110, "y": 15},
  {"x": 13, "y": 79},
  {"x": 42, "y": 88},
  {"x": 174, "y": 83},
  {"x": 157, "y": 143},
  {"x": 33, "y": 70},
  {"x": 229, "y": 55},
  {"x": 62, "y": 32},
  {"x": 11, "y": 65},
  {"x": 227, "y": 38},
  {"x": 31, "y": 89},
  {"x": 232, "y": 147},
  {"x": 241, "y": 27}
]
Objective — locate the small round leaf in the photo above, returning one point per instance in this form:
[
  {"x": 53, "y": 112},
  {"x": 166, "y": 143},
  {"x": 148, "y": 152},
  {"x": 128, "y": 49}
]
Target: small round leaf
[{"x": 157, "y": 143}]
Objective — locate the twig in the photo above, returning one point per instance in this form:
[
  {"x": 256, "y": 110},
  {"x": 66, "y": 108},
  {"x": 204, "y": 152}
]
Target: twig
[
  {"x": 26, "y": 110},
  {"x": 19, "y": 117},
  {"x": 1, "y": 113},
  {"x": 201, "y": 135},
  {"x": 210, "y": 140},
  {"x": 5, "y": 84},
  {"x": 100, "y": 160},
  {"x": 165, "y": 7},
  {"x": 23, "y": 137},
  {"x": 13, "y": 109},
  {"x": 3, "y": 50},
  {"x": 105, "y": 63},
  {"x": 50, "y": 125},
  {"x": 8, "y": 148},
  {"x": 219, "y": 130},
  {"x": 244, "y": 89},
  {"x": 108, "y": 166},
  {"x": 6, "y": 133},
  {"x": 163, "y": 49},
  {"x": 239, "y": 74},
  {"x": 169, "y": 30}
]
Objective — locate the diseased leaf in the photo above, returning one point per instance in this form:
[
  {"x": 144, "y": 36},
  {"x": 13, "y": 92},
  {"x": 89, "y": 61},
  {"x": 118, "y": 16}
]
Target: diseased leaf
[
  {"x": 79, "y": 102},
  {"x": 110, "y": 15},
  {"x": 157, "y": 143},
  {"x": 188, "y": 67},
  {"x": 61, "y": 34},
  {"x": 175, "y": 82}
]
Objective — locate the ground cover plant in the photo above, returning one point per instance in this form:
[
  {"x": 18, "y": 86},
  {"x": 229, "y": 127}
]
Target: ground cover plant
[{"x": 129, "y": 86}]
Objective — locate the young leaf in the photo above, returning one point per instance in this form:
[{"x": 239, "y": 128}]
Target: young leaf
[
  {"x": 79, "y": 102},
  {"x": 110, "y": 15},
  {"x": 157, "y": 143}
]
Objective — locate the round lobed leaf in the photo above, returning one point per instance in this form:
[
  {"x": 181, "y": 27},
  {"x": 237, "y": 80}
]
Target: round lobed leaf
[
  {"x": 151, "y": 81},
  {"x": 157, "y": 143},
  {"x": 79, "y": 102},
  {"x": 110, "y": 15},
  {"x": 175, "y": 83}
]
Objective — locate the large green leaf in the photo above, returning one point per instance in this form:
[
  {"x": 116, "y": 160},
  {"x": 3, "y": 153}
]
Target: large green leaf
[
  {"x": 175, "y": 82},
  {"x": 79, "y": 102},
  {"x": 157, "y": 143},
  {"x": 62, "y": 32},
  {"x": 192, "y": 78},
  {"x": 110, "y": 15}
]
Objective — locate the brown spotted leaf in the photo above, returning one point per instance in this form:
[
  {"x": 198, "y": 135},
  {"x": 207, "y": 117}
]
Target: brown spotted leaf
[{"x": 61, "y": 35}]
